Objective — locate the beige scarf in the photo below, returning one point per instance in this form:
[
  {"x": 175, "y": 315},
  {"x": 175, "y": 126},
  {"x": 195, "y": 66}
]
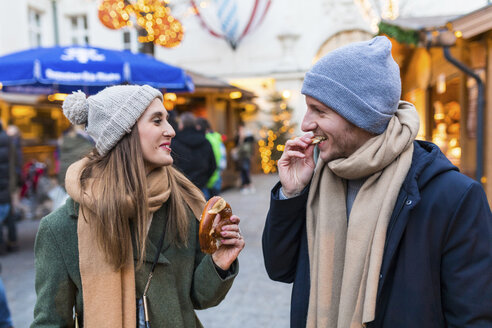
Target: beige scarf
[
  {"x": 345, "y": 260},
  {"x": 109, "y": 296}
]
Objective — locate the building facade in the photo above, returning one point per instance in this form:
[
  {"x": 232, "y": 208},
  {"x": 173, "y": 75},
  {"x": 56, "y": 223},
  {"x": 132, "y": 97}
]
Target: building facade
[{"x": 271, "y": 58}]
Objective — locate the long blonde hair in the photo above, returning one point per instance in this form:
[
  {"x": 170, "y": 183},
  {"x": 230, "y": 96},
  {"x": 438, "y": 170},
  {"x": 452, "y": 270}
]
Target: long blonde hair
[{"x": 120, "y": 176}]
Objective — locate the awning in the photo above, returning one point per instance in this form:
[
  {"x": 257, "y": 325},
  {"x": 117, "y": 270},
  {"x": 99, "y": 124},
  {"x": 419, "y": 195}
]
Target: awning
[
  {"x": 90, "y": 69},
  {"x": 418, "y": 30}
]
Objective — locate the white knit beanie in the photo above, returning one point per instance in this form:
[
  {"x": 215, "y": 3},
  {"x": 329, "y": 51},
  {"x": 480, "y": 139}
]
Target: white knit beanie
[{"x": 111, "y": 113}]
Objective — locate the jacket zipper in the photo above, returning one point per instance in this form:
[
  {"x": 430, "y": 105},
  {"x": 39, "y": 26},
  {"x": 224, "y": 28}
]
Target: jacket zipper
[{"x": 388, "y": 235}]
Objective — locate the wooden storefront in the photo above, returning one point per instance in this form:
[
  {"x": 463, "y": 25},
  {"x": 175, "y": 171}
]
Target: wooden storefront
[
  {"x": 445, "y": 96},
  {"x": 41, "y": 121}
]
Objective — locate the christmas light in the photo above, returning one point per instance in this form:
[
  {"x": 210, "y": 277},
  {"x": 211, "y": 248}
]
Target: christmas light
[
  {"x": 368, "y": 13},
  {"x": 152, "y": 15},
  {"x": 170, "y": 96},
  {"x": 235, "y": 95},
  {"x": 390, "y": 10},
  {"x": 57, "y": 97},
  {"x": 274, "y": 137},
  {"x": 113, "y": 15},
  {"x": 286, "y": 94}
]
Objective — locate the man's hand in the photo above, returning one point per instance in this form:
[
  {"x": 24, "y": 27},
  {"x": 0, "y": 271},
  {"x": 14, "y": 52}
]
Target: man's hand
[{"x": 296, "y": 166}]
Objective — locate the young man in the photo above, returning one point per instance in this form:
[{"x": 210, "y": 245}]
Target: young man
[{"x": 383, "y": 230}]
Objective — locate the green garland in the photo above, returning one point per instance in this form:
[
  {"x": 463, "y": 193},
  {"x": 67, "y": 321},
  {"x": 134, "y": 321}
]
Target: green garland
[{"x": 399, "y": 34}]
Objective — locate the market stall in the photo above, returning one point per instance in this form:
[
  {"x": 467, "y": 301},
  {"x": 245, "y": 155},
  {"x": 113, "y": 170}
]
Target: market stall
[{"x": 444, "y": 63}]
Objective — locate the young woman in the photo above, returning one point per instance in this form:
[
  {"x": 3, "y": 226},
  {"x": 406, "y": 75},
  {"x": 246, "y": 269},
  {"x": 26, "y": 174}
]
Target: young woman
[{"x": 130, "y": 227}]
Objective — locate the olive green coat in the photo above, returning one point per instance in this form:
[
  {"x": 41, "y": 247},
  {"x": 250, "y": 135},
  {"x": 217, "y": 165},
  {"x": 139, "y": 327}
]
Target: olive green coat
[{"x": 184, "y": 279}]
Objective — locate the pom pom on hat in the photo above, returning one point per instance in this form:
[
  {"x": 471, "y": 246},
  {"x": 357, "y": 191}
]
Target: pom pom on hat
[{"x": 76, "y": 108}]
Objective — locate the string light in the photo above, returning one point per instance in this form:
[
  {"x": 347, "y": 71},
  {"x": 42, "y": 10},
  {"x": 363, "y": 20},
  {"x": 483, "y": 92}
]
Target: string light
[
  {"x": 391, "y": 10},
  {"x": 235, "y": 95},
  {"x": 368, "y": 13},
  {"x": 286, "y": 94},
  {"x": 57, "y": 97},
  {"x": 113, "y": 14},
  {"x": 274, "y": 136},
  {"x": 152, "y": 15}
]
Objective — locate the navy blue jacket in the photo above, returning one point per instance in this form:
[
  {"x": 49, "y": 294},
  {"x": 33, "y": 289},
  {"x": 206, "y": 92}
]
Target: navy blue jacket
[
  {"x": 437, "y": 262},
  {"x": 193, "y": 155}
]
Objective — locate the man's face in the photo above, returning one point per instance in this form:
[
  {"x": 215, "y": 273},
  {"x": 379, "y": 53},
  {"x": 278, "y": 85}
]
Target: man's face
[{"x": 342, "y": 137}]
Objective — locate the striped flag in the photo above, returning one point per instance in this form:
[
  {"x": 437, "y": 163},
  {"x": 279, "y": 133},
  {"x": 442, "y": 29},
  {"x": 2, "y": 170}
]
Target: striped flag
[
  {"x": 231, "y": 20},
  {"x": 228, "y": 18}
]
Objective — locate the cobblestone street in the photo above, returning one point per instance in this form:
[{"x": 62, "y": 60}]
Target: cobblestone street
[{"x": 253, "y": 301}]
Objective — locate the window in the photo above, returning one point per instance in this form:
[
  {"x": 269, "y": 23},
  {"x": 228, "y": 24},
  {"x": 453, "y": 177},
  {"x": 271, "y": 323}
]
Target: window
[
  {"x": 446, "y": 119},
  {"x": 35, "y": 23},
  {"x": 79, "y": 30},
  {"x": 130, "y": 40},
  {"x": 127, "y": 40}
]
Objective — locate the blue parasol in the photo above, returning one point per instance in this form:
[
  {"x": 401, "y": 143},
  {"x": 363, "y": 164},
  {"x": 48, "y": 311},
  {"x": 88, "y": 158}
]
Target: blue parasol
[{"x": 90, "y": 69}]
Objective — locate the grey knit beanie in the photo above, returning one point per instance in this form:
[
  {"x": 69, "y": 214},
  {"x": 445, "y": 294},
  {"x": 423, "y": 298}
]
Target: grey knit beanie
[
  {"x": 111, "y": 113},
  {"x": 360, "y": 81}
]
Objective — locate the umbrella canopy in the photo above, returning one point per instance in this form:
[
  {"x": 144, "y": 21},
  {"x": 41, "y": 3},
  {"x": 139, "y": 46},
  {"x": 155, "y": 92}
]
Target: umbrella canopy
[{"x": 66, "y": 69}]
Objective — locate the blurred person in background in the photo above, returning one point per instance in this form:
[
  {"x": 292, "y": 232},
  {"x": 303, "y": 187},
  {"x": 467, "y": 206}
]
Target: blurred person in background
[
  {"x": 16, "y": 163},
  {"x": 173, "y": 119},
  {"x": 129, "y": 231},
  {"x": 193, "y": 154},
  {"x": 15, "y": 182},
  {"x": 243, "y": 152},
  {"x": 73, "y": 146},
  {"x": 5, "y": 199},
  {"x": 5, "y": 318},
  {"x": 214, "y": 184}
]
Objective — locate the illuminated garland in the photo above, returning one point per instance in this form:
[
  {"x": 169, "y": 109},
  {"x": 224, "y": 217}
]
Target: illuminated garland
[
  {"x": 390, "y": 12},
  {"x": 272, "y": 144},
  {"x": 152, "y": 15},
  {"x": 399, "y": 34},
  {"x": 368, "y": 13}
]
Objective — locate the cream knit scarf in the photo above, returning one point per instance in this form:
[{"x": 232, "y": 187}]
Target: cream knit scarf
[
  {"x": 345, "y": 260},
  {"x": 109, "y": 296}
]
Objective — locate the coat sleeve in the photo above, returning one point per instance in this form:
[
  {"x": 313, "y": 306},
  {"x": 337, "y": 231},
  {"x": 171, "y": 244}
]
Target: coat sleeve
[
  {"x": 282, "y": 235},
  {"x": 209, "y": 288},
  {"x": 55, "y": 290},
  {"x": 212, "y": 163},
  {"x": 466, "y": 271}
]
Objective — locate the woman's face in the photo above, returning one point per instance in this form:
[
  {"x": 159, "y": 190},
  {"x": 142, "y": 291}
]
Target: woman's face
[{"x": 155, "y": 134}]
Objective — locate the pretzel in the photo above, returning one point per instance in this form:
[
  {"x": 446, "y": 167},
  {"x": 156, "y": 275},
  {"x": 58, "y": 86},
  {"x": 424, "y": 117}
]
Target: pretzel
[
  {"x": 317, "y": 139},
  {"x": 209, "y": 232}
]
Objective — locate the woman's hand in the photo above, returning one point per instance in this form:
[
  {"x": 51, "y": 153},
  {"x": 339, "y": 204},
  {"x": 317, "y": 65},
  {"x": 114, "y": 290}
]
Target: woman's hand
[
  {"x": 296, "y": 166},
  {"x": 230, "y": 246}
]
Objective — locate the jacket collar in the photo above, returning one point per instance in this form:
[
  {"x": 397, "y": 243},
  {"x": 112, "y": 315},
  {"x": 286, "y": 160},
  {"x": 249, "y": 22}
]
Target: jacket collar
[
  {"x": 156, "y": 229},
  {"x": 72, "y": 207},
  {"x": 428, "y": 161}
]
